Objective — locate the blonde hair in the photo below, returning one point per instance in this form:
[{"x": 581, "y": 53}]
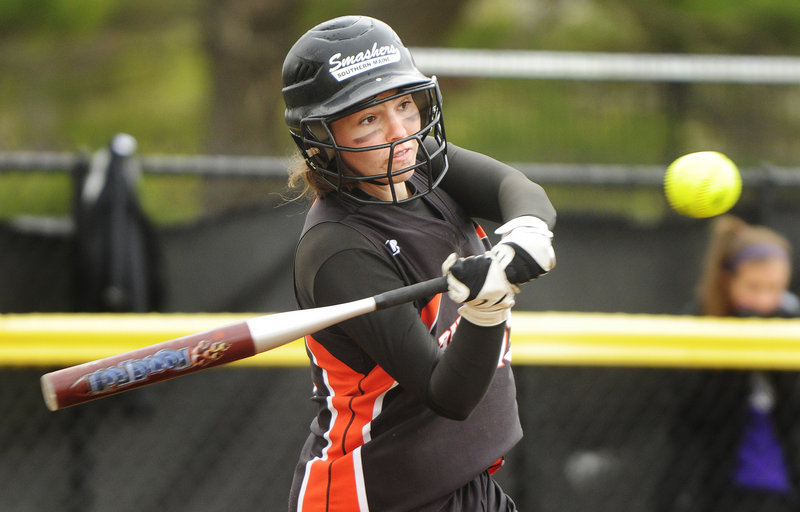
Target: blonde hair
[{"x": 730, "y": 236}]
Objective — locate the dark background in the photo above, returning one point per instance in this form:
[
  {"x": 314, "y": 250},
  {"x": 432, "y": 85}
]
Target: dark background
[{"x": 227, "y": 439}]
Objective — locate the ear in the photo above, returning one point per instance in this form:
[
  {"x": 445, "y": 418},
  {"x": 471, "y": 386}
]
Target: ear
[{"x": 320, "y": 155}]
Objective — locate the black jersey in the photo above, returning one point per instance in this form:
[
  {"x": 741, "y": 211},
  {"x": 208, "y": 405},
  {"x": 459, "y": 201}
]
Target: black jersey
[{"x": 378, "y": 441}]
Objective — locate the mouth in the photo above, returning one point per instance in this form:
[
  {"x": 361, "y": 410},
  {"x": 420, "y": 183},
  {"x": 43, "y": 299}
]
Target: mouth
[{"x": 403, "y": 154}]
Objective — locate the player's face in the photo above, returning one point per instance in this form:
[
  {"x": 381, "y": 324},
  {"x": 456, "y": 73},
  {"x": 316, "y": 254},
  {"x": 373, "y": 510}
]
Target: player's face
[
  {"x": 383, "y": 123},
  {"x": 756, "y": 287}
]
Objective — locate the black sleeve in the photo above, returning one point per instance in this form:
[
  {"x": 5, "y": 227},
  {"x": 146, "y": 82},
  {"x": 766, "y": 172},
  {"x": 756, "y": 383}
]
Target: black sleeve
[
  {"x": 492, "y": 190},
  {"x": 463, "y": 375},
  {"x": 450, "y": 382}
]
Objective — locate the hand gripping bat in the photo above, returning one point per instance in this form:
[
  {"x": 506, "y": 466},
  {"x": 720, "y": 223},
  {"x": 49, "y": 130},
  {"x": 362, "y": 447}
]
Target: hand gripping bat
[{"x": 187, "y": 354}]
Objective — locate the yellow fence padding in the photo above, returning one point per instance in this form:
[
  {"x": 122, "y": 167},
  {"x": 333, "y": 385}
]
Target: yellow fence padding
[{"x": 581, "y": 339}]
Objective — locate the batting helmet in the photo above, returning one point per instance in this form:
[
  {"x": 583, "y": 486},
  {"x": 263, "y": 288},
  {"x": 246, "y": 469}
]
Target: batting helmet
[{"x": 341, "y": 66}]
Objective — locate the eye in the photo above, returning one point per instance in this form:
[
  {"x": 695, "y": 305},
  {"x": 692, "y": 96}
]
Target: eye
[
  {"x": 405, "y": 104},
  {"x": 367, "y": 119}
]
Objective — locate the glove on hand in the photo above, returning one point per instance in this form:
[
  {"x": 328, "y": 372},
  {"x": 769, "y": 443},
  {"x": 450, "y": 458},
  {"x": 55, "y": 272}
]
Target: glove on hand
[
  {"x": 481, "y": 284},
  {"x": 525, "y": 250}
]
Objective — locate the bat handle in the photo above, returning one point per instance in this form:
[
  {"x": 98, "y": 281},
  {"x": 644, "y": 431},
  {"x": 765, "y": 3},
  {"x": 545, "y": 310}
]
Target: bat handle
[{"x": 411, "y": 292}]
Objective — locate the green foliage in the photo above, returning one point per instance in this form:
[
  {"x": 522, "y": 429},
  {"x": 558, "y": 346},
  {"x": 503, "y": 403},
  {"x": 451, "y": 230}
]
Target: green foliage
[
  {"x": 72, "y": 78},
  {"x": 75, "y": 72},
  {"x": 34, "y": 193},
  {"x": 315, "y": 12},
  {"x": 171, "y": 199},
  {"x": 54, "y": 18},
  {"x": 548, "y": 121},
  {"x": 155, "y": 86},
  {"x": 640, "y": 205}
]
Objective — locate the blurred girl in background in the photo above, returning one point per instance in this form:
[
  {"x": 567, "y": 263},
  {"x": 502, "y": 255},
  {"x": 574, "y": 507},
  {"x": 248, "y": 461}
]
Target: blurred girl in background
[
  {"x": 747, "y": 272},
  {"x": 735, "y": 437}
]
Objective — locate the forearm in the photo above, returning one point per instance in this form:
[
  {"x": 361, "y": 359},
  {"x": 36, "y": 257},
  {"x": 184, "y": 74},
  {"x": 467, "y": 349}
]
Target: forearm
[{"x": 466, "y": 370}]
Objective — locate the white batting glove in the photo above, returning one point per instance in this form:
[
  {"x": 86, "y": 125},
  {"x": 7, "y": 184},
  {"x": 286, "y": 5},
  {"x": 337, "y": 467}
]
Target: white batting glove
[
  {"x": 480, "y": 283},
  {"x": 525, "y": 250}
]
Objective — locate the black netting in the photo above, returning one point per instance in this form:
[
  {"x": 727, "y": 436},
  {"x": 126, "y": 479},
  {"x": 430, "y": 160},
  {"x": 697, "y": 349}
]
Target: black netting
[{"x": 596, "y": 439}]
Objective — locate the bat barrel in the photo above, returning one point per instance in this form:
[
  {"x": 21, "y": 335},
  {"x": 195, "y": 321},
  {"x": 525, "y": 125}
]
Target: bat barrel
[{"x": 162, "y": 361}]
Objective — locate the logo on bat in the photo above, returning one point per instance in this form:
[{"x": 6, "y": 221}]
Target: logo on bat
[{"x": 132, "y": 371}]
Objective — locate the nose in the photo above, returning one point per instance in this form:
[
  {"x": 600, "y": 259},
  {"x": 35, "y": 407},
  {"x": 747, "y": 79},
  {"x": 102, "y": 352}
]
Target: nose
[{"x": 396, "y": 128}]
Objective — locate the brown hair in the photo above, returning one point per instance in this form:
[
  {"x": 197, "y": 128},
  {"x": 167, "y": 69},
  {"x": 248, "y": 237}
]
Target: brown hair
[
  {"x": 730, "y": 236},
  {"x": 307, "y": 183},
  {"x": 304, "y": 182}
]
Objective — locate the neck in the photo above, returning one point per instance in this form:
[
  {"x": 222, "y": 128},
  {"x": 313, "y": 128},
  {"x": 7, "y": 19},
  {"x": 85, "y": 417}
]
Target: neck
[{"x": 384, "y": 192}]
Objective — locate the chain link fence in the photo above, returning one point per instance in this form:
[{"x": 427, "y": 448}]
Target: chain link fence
[
  {"x": 597, "y": 438},
  {"x": 217, "y": 234}
]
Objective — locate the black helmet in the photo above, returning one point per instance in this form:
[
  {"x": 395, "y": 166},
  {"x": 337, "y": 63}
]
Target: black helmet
[{"x": 340, "y": 67}]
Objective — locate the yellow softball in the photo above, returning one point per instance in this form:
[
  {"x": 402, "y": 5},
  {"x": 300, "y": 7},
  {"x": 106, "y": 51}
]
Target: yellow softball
[{"x": 702, "y": 184}]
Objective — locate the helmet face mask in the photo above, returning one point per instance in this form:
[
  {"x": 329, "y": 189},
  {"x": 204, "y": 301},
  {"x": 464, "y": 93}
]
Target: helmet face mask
[
  {"x": 324, "y": 154},
  {"x": 321, "y": 86}
]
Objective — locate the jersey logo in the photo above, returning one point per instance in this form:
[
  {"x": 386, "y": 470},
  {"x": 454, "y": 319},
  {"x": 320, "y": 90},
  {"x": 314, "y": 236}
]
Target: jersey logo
[{"x": 393, "y": 246}]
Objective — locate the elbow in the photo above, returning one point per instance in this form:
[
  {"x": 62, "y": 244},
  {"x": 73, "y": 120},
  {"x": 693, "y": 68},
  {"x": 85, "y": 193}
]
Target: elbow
[
  {"x": 456, "y": 414},
  {"x": 460, "y": 416},
  {"x": 452, "y": 408}
]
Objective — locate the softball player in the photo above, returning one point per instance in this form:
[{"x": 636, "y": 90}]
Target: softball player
[{"x": 416, "y": 402}]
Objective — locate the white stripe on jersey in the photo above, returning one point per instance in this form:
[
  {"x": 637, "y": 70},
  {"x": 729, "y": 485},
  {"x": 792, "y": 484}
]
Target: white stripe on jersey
[
  {"x": 361, "y": 488},
  {"x": 324, "y": 455}
]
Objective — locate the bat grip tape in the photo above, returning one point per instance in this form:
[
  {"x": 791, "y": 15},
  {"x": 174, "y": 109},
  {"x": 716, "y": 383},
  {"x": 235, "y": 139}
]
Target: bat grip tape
[{"x": 410, "y": 293}]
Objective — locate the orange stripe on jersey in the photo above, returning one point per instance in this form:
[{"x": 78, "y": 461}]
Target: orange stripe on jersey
[
  {"x": 494, "y": 468},
  {"x": 430, "y": 312},
  {"x": 354, "y": 400},
  {"x": 330, "y": 487},
  {"x": 480, "y": 232}
]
